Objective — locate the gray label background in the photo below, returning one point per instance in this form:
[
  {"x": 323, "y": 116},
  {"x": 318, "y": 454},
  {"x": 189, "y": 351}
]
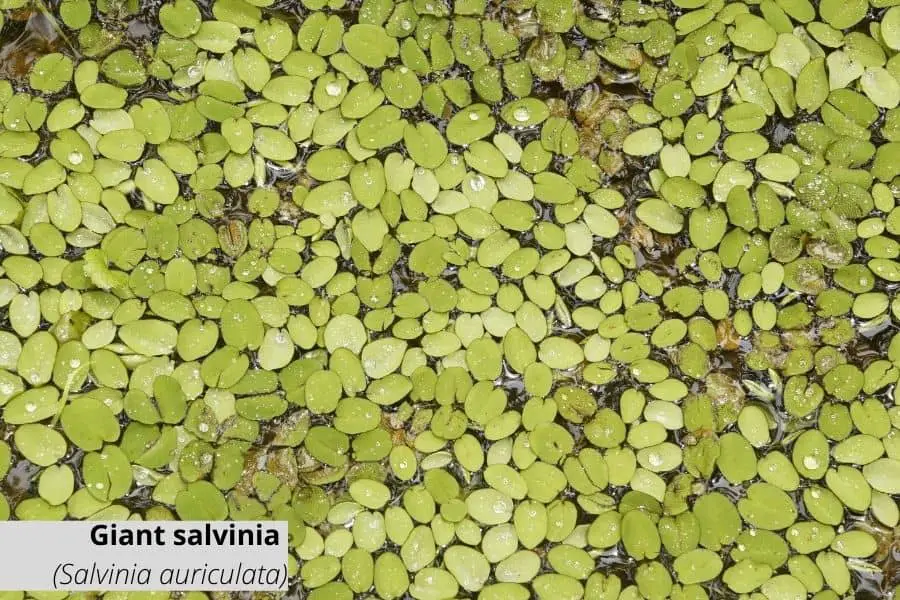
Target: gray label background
[{"x": 33, "y": 555}]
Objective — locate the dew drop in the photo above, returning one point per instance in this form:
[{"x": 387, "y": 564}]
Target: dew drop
[{"x": 521, "y": 114}]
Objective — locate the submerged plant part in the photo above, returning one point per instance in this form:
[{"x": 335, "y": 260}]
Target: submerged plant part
[{"x": 500, "y": 300}]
